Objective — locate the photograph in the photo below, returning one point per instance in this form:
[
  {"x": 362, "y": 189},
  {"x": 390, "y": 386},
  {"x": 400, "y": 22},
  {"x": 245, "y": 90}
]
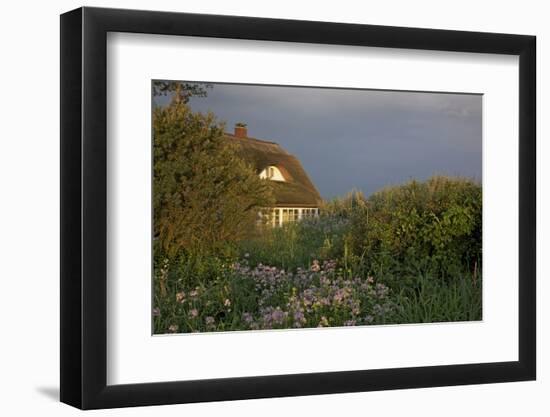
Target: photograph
[{"x": 286, "y": 207}]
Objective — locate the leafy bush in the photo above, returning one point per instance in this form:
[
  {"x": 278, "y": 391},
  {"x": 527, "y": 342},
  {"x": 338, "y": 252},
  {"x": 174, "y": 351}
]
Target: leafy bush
[{"x": 433, "y": 226}]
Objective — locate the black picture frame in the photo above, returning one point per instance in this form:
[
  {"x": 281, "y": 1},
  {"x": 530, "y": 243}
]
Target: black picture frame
[{"x": 84, "y": 207}]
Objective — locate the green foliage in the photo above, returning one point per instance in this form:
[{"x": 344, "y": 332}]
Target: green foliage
[
  {"x": 297, "y": 244},
  {"x": 344, "y": 207},
  {"x": 434, "y": 227},
  {"x": 434, "y": 300},
  {"x": 205, "y": 197}
]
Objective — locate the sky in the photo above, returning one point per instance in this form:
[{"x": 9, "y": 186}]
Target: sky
[{"x": 358, "y": 139}]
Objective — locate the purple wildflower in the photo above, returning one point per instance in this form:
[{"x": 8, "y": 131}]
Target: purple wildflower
[{"x": 247, "y": 318}]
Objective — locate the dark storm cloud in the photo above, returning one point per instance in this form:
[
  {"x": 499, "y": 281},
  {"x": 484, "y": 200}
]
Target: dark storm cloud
[{"x": 360, "y": 139}]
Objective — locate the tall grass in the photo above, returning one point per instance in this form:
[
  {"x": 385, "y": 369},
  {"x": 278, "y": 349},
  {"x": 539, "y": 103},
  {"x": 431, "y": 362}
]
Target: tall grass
[
  {"x": 435, "y": 301},
  {"x": 295, "y": 245}
]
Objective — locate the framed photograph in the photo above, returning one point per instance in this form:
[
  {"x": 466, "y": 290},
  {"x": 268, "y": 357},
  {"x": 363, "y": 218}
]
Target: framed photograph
[{"x": 256, "y": 208}]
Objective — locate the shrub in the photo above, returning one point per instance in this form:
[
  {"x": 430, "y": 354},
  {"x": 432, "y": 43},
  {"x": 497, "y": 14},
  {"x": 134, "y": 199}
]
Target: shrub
[{"x": 432, "y": 226}]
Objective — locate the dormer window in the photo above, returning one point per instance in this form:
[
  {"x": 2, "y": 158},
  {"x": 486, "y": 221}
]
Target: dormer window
[{"x": 272, "y": 173}]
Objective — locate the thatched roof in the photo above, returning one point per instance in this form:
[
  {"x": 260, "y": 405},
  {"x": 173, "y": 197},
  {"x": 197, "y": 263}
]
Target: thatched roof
[{"x": 297, "y": 190}]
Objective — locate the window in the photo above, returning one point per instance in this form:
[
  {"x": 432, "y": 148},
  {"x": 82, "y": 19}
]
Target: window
[
  {"x": 290, "y": 215},
  {"x": 309, "y": 212},
  {"x": 306, "y": 213},
  {"x": 272, "y": 173},
  {"x": 276, "y": 217},
  {"x": 286, "y": 215}
]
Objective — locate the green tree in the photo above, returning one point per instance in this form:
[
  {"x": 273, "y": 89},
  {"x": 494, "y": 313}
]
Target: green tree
[{"x": 205, "y": 196}]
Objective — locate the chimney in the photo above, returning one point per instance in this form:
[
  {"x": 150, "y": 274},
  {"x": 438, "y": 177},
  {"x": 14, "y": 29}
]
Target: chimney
[{"x": 240, "y": 130}]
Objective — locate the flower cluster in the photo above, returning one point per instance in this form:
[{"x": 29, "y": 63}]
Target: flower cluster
[
  {"x": 317, "y": 297},
  {"x": 267, "y": 297}
]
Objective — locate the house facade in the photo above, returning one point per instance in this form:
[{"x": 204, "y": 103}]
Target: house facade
[{"x": 295, "y": 194}]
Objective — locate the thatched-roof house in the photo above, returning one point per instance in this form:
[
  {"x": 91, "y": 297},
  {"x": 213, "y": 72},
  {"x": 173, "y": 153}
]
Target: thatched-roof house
[{"x": 295, "y": 195}]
